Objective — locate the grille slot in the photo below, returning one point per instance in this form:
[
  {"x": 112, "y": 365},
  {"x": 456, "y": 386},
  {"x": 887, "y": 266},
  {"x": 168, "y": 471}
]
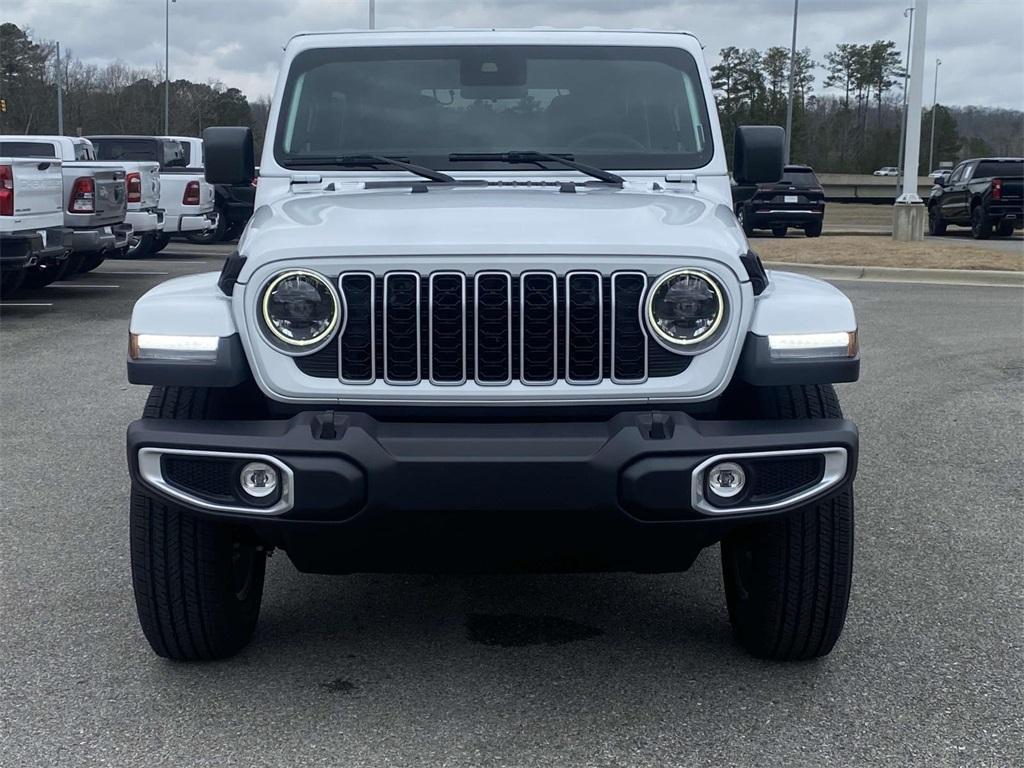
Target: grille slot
[
  {"x": 446, "y": 306},
  {"x": 584, "y": 341},
  {"x": 784, "y": 476},
  {"x": 357, "y": 346},
  {"x": 493, "y": 327},
  {"x": 209, "y": 478},
  {"x": 402, "y": 328},
  {"x": 537, "y": 327}
]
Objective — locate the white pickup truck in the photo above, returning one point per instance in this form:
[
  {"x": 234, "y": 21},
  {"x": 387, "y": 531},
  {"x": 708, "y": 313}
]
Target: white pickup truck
[
  {"x": 185, "y": 196},
  {"x": 95, "y": 200},
  {"x": 32, "y": 232}
]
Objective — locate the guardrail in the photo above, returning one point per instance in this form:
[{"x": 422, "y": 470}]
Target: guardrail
[{"x": 864, "y": 188}]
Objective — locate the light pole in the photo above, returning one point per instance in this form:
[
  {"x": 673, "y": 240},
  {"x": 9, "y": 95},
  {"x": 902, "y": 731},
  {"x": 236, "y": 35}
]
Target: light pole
[
  {"x": 60, "y": 96},
  {"x": 907, "y": 13},
  {"x": 792, "y": 67},
  {"x": 167, "y": 65},
  {"x": 935, "y": 106},
  {"x": 373, "y": 14}
]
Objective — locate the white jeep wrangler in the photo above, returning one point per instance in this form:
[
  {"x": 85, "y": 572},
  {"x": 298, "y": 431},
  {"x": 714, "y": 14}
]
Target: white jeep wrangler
[{"x": 493, "y": 312}]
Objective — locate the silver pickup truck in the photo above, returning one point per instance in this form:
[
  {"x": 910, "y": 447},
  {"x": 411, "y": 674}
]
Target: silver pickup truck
[{"x": 95, "y": 200}]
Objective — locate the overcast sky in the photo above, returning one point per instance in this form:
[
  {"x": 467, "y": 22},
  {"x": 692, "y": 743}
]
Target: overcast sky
[{"x": 980, "y": 42}]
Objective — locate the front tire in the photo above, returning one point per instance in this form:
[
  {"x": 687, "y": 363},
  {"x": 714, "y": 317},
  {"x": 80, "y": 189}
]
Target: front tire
[
  {"x": 936, "y": 224},
  {"x": 198, "y": 584},
  {"x": 787, "y": 581}
]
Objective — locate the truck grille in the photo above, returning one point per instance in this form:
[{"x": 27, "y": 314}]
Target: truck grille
[{"x": 493, "y": 328}]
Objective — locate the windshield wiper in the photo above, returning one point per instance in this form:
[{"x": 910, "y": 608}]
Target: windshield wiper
[
  {"x": 372, "y": 161},
  {"x": 536, "y": 157}
]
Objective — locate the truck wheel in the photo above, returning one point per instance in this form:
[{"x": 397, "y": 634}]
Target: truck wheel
[
  {"x": 198, "y": 584},
  {"x": 213, "y": 234},
  {"x": 1004, "y": 228},
  {"x": 813, "y": 230},
  {"x": 787, "y": 582},
  {"x": 40, "y": 277},
  {"x": 748, "y": 227},
  {"x": 139, "y": 246},
  {"x": 936, "y": 224},
  {"x": 11, "y": 281},
  {"x": 981, "y": 226},
  {"x": 159, "y": 243},
  {"x": 92, "y": 260},
  {"x": 779, "y": 231}
]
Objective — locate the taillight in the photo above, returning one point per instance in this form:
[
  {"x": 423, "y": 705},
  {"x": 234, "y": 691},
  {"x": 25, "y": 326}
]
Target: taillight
[
  {"x": 133, "y": 184},
  {"x": 997, "y": 189},
  {"x": 83, "y": 196},
  {"x": 191, "y": 196},
  {"x": 6, "y": 190}
]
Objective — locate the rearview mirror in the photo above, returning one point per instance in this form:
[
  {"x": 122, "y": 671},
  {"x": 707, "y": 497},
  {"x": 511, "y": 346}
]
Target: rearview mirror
[
  {"x": 757, "y": 155},
  {"x": 230, "y": 157}
]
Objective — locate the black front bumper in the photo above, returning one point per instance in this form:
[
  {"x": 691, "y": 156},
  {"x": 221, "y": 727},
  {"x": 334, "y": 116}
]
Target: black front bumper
[{"x": 369, "y": 494}]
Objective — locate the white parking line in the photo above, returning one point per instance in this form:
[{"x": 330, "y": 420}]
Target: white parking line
[
  {"x": 79, "y": 285},
  {"x": 159, "y": 262},
  {"x": 108, "y": 272},
  {"x": 26, "y": 304}
]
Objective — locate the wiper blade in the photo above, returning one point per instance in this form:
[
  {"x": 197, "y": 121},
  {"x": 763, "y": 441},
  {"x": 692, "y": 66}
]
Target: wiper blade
[
  {"x": 537, "y": 157},
  {"x": 372, "y": 161}
]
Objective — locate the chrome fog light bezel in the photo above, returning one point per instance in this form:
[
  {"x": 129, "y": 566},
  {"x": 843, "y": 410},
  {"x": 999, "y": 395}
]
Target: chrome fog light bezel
[
  {"x": 707, "y": 339},
  {"x": 294, "y": 347}
]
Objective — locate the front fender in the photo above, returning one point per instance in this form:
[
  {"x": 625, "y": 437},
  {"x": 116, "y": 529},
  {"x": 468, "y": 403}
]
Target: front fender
[
  {"x": 191, "y": 306},
  {"x": 797, "y": 304}
]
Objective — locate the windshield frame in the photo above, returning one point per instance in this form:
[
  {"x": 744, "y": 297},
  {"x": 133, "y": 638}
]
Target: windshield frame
[{"x": 678, "y": 57}]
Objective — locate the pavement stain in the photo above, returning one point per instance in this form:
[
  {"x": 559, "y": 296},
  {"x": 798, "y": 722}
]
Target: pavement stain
[
  {"x": 339, "y": 685},
  {"x": 515, "y": 630}
]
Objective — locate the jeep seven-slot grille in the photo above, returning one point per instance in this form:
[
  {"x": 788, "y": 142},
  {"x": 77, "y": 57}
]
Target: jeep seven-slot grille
[{"x": 493, "y": 328}]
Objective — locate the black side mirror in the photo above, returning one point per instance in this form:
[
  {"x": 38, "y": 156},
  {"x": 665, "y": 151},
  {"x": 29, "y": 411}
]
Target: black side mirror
[
  {"x": 230, "y": 157},
  {"x": 757, "y": 157}
]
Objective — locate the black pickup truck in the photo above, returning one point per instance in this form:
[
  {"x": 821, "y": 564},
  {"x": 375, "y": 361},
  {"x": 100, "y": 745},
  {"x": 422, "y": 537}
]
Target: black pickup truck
[
  {"x": 234, "y": 203},
  {"x": 797, "y": 200},
  {"x": 984, "y": 194}
]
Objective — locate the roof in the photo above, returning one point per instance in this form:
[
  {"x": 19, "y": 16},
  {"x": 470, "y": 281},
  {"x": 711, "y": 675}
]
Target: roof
[{"x": 525, "y": 32}]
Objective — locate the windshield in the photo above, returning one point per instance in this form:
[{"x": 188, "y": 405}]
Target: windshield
[{"x": 613, "y": 107}]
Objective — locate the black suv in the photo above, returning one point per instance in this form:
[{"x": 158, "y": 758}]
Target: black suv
[{"x": 796, "y": 201}]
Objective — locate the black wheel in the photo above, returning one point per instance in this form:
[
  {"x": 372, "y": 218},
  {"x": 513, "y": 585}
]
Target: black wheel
[
  {"x": 11, "y": 281},
  {"x": 198, "y": 584},
  {"x": 159, "y": 243},
  {"x": 744, "y": 218},
  {"x": 40, "y": 277},
  {"x": 1004, "y": 228},
  {"x": 981, "y": 225},
  {"x": 139, "y": 246},
  {"x": 213, "y": 234},
  {"x": 787, "y": 582},
  {"x": 813, "y": 230},
  {"x": 779, "y": 231},
  {"x": 936, "y": 224},
  {"x": 93, "y": 260}
]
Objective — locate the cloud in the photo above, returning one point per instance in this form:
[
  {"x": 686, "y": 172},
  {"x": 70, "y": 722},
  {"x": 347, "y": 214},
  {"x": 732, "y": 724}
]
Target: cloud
[{"x": 239, "y": 41}]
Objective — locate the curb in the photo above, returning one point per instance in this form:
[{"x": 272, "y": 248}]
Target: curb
[{"x": 986, "y": 277}]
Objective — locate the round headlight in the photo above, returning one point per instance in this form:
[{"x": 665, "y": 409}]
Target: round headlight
[
  {"x": 685, "y": 307},
  {"x": 301, "y": 309}
]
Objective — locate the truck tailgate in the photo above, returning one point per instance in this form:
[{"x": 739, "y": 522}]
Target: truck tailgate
[
  {"x": 38, "y": 189},
  {"x": 109, "y": 196}
]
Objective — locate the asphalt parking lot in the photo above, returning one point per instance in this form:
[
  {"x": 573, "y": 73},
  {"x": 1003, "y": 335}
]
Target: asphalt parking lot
[{"x": 584, "y": 670}]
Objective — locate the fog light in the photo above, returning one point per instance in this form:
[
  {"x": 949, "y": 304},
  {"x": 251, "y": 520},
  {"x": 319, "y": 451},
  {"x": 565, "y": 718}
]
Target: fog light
[
  {"x": 727, "y": 479},
  {"x": 258, "y": 479}
]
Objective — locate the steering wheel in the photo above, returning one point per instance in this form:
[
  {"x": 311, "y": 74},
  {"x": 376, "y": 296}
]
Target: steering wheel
[{"x": 587, "y": 140}]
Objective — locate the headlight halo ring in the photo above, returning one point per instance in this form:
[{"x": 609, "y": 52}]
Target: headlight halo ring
[
  {"x": 708, "y": 338},
  {"x": 294, "y": 347}
]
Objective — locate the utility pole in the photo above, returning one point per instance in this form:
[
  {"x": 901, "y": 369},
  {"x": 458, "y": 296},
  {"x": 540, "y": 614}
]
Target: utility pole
[
  {"x": 935, "y": 106},
  {"x": 909, "y": 213},
  {"x": 373, "y": 14},
  {"x": 907, "y": 13},
  {"x": 60, "y": 95},
  {"x": 792, "y": 67},
  {"x": 167, "y": 66}
]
